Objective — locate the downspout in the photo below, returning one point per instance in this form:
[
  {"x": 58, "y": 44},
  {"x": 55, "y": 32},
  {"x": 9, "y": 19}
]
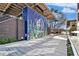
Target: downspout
[{"x": 17, "y": 28}]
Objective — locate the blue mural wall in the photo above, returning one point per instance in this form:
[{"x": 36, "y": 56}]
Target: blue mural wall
[{"x": 35, "y": 24}]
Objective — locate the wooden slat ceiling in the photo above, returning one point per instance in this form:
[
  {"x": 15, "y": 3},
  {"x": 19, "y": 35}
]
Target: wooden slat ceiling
[
  {"x": 3, "y": 6},
  {"x": 15, "y": 9}
]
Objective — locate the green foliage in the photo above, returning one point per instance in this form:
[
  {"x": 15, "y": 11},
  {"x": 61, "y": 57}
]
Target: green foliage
[
  {"x": 7, "y": 40},
  {"x": 69, "y": 49}
]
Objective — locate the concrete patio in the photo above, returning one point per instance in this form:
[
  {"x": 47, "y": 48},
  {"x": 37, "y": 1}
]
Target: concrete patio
[{"x": 51, "y": 45}]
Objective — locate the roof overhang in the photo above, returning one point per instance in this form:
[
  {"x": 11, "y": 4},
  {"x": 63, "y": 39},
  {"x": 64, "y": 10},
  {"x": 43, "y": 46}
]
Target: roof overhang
[{"x": 15, "y": 9}]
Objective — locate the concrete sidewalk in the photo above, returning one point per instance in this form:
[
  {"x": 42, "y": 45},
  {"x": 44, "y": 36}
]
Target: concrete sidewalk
[{"x": 47, "y": 46}]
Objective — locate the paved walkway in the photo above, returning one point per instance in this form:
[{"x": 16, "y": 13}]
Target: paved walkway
[{"x": 46, "y": 46}]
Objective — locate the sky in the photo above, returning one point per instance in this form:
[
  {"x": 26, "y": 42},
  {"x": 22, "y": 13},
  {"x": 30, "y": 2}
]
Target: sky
[{"x": 68, "y": 9}]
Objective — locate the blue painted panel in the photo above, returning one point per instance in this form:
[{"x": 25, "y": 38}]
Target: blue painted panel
[
  {"x": 24, "y": 14},
  {"x": 35, "y": 24}
]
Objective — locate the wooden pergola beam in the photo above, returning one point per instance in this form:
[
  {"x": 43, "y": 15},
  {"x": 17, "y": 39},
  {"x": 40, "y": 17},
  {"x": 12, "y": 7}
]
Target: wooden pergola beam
[{"x": 8, "y": 5}]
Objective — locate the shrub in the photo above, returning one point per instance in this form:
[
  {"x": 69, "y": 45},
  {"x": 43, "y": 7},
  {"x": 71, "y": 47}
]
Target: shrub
[{"x": 7, "y": 40}]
